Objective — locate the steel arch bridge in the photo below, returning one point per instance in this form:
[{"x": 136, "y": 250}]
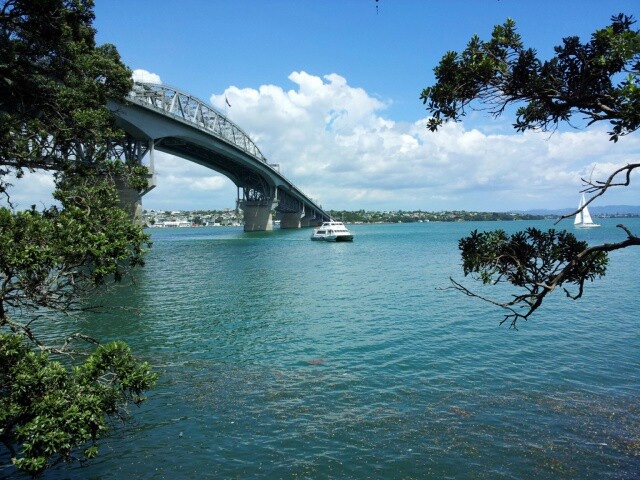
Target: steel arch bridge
[{"x": 177, "y": 123}]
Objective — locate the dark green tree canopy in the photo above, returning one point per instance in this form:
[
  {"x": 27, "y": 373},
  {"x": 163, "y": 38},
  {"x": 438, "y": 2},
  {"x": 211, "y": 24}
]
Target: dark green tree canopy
[
  {"x": 54, "y": 86},
  {"x": 599, "y": 81},
  {"x": 535, "y": 262}
]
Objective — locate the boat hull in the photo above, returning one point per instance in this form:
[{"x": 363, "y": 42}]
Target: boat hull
[
  {"x": 340, "y": 238},
  {"x": 332, "y": 238}
]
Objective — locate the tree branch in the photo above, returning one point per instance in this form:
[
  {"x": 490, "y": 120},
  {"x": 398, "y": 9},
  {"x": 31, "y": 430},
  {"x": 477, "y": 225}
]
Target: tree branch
[
  {"x": 602, "y": 186},
  {"x": 522, "y": 306}
]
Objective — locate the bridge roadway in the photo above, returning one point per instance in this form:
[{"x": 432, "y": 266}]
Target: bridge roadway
[{"x": 175, "y": 122}]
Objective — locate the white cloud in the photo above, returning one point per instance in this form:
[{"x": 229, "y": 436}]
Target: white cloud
[
  {"x": 185, "y": 185},
  {"x": 140, "y": 75},
  {"x": 335, "y": 143},
  {"x": 34, "y": 188}
]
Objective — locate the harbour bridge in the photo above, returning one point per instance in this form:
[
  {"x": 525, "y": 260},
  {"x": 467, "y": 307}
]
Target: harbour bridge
[{"x": 162, "y": 118}]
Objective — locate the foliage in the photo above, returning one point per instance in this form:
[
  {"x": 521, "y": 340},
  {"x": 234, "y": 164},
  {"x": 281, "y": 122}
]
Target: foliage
[
  {"x": 599, "y": 80},
  {"x": 54, "y": 87},
  {"x": 579, "y": 78},
  {"x": 533, "y": 260},
  {"x": 58, "y": 414},
  {"x": 51, "y": 258}
]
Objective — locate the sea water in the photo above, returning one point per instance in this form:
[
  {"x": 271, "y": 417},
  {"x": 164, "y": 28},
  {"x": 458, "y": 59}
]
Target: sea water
[{"x": 280, "y": 357}]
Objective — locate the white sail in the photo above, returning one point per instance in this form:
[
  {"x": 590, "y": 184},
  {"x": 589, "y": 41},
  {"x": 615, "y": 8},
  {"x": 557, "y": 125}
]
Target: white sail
[
  {"x": 586, "y": 216},
  {"x": 578, "y": 219},
  {"x": 583, "y": 217}
]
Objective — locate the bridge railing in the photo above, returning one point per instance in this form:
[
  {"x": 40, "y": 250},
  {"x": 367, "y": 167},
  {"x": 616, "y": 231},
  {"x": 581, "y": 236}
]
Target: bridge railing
[{"x": 195, "y": 112}]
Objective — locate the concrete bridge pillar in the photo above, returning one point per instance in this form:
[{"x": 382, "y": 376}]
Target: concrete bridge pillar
[
  {"x": 290, "y": 220},
  {"x": 130, "y": 201},
  {"x": 257, "y": 215},
  {"x": 309, "y": 220}
]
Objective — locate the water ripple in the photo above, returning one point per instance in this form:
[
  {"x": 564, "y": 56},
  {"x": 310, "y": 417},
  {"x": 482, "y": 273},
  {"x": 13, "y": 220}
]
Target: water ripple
[{"x": 285, "y": 358}]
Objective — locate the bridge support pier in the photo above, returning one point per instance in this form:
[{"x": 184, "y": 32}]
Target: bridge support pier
[
  {"x": 257, "y": 215},
  {"x": 290, "y": 220},
  {"x": 309, "y": 220},
  {"x": 130, "y": 201}
]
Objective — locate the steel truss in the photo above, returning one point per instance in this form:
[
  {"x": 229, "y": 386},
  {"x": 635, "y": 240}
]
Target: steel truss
[{"x": 193, "y": 111}]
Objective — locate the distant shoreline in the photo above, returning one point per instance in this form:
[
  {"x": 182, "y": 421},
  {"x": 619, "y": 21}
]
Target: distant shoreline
[{"x": 229, "y": 217}]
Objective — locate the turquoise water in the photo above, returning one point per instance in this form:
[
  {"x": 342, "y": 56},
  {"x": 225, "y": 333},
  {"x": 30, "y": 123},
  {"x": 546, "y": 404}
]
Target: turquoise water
[{"x": 286, "y": 358}]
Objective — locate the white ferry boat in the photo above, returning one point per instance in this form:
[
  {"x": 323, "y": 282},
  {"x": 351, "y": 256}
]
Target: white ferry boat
[{"x": 332, "y": 232}]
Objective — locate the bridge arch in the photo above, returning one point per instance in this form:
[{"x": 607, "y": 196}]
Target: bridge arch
[{"x": 180, "y": 124}]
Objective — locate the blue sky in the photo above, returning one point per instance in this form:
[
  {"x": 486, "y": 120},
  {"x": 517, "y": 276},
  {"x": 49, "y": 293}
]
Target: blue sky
[{"x": 329, "y": 89}]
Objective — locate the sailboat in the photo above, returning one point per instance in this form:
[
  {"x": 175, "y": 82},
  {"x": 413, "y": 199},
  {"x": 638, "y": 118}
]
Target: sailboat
[{"x": 583, "y": 217}]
